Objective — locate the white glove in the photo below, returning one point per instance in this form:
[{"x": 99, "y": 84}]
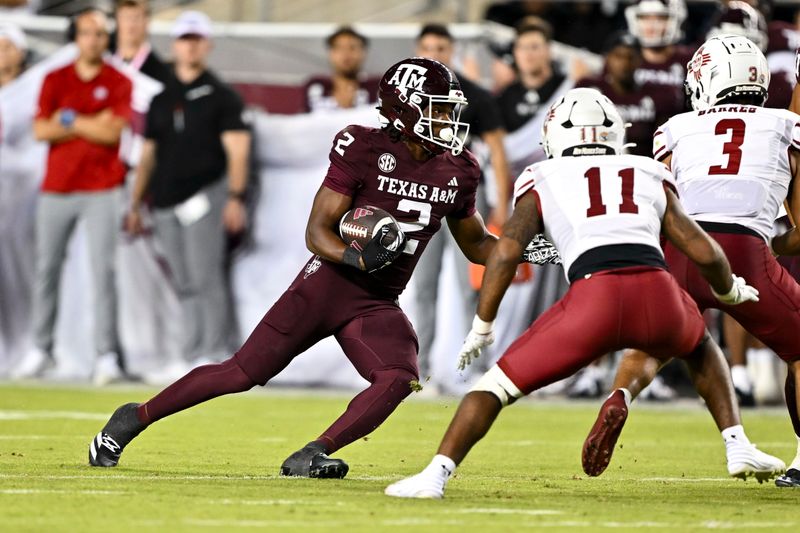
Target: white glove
[
  {"x": 740, "y": 292},
  {"x": 480, "y": 336}
]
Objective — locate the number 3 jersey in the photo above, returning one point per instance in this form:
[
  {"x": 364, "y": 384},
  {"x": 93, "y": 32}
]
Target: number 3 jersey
[
  {"x": 600, "y": 211},
  {"x": 731, "y": 162},
  {"x": 367, "y": 166}
]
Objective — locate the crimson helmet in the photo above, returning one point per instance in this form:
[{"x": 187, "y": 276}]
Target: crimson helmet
[{"x": 407, "y": 92}]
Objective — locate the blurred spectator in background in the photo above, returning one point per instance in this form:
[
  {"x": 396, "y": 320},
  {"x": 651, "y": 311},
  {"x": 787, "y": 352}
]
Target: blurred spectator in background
[
  {"x": 657, "y": 25},
  {"x": 83, "y": 108},
  {"x": 582, "y": 24},
  {"x": 13, "y": 51},
  {"x": 195, "y": 136},
  {"x": 131, "y": 45},
  {"x": 132, "y": 48},
  {"x": 645, "y": 106},
  {"x": 538, "y": 79},
  {"x": 485, "y": 123},
  {"x": 347, "y": 86}
]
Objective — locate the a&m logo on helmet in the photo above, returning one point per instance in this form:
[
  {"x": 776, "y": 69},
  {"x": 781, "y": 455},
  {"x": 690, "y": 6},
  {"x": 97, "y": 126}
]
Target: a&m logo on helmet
[
  {"x": 408, "y": 76},
  {"x": 700, "y": 60}
]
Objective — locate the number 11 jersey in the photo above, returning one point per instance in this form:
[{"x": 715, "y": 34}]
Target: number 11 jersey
[
  {"x": 731, "y": 162},
  {"x": 600, "y": 211}
]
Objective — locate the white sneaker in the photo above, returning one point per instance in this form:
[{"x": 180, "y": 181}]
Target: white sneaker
[
  {"x": 106, "y": 369},
  {"x": 745, "y": 460},
  {"x": 35, "y": 364},
  {"x": 658, "y": 391},
  {"x": 429, "y": 483}
]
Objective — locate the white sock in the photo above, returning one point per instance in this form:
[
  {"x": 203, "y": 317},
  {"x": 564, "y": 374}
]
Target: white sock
[
  {"x": 626, "y": 393},
  {"x": 442, "y": 465},
  {"x": 741, "y": 378},
  {"x": 734, "y": 435},
  {"x": 796, "y": 463}
]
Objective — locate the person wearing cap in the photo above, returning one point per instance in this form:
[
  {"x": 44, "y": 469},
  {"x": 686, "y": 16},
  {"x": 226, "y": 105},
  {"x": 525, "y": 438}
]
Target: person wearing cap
[
  {"x": 13, "y": 50},
  {"x": 347, "y": 86},
  {"x": 83, "y": 108},
  {"x": 195, "y": 136}
]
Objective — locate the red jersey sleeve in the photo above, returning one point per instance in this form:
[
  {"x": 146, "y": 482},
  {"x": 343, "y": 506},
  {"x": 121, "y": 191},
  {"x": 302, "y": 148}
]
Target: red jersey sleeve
[
  {"x": 48, "y": 102},
  {"x": 345, "y": 175}
]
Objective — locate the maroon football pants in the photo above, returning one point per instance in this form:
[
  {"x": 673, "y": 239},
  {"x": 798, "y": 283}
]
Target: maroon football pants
[
  {"x": 374, "y": 334},
  {"x": 775, "y": 318},
  {"x": 638, "y": 307}
]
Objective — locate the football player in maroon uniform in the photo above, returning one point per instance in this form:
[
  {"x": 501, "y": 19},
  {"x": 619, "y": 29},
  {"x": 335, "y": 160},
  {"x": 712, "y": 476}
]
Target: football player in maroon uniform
[{"x": 415, "y": 168}]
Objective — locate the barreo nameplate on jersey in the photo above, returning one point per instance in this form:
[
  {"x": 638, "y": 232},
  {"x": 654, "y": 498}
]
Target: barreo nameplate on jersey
[
  {"x": 193, "y": 209},
  {"x": 729, "y": 197}
]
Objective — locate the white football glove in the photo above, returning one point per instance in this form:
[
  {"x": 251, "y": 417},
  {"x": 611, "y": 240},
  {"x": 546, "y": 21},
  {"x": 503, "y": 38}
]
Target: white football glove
[
  {"x": 480, "y": 336},
  {"x": 740, "y": 292}
]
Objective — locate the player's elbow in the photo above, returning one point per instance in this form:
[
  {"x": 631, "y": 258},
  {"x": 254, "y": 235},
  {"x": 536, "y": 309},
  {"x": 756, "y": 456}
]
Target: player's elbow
[{"x": 507, "y": 252}]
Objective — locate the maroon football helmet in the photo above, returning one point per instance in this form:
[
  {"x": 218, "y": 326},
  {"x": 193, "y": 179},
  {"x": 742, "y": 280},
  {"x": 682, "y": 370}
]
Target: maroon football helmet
[
  {"x": 740, "y": 18},
  {"x": 406, "y": 93}
]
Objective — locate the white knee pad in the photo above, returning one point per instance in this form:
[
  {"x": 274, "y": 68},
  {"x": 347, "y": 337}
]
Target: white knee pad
[{"x": 496, "y": 382}]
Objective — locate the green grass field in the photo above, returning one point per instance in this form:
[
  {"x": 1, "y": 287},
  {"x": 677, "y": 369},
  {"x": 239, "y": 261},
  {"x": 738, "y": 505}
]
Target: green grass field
[{"x": 215, "y": 468}]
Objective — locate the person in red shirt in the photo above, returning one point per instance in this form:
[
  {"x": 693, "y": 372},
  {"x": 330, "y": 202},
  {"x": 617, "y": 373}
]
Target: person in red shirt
[{"x": 83, "y": 108}]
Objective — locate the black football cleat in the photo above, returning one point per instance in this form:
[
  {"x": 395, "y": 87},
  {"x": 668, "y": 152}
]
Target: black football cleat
[
  {"x": 790, "y": 479},
  {"x": 121, "y": 428},
  {"x": 312, "y": 461}
]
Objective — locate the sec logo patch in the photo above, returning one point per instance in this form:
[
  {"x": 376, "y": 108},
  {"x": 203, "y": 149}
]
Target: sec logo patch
[{"x": 387, "y": 162}]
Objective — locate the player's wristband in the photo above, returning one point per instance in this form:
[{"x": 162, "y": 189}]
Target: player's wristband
[
  {"x": 67, "y": 117},
  {"x": 482, "y": 327},
  {"x": 352, "y": 257},
  {"x": 233, "y": 195}
]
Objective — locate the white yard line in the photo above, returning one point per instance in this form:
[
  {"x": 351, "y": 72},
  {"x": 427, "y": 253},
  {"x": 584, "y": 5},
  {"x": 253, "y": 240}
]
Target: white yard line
[
  {"x": 61, "y": 491},
  {"x": 41, "y": 415},
  {"x": 501, "y": 510}
]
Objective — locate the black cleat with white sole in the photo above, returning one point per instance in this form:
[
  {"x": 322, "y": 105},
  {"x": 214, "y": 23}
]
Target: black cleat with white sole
[
  {"x": 312, "y": 461},
  {"x": 790, "y": 479},
  {"x": 121, "y": 428}
]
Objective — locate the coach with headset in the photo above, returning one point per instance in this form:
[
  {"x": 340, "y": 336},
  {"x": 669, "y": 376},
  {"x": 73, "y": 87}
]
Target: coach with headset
[{"x": 83, "y": 108}]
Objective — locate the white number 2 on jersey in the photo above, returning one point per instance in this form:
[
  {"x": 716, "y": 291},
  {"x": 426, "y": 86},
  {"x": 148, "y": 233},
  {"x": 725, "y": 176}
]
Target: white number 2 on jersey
[
  {"x": 343, "y": 142},
  {"x": 424, "y": 210}
]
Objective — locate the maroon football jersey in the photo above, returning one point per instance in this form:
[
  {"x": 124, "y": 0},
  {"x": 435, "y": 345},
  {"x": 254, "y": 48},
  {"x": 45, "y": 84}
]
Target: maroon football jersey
[
  {"x": 645, "y": 109},
  {"x": 782, "y": 36},
  {"x": 671, "y": 72},
  {"x": 367, "y": 166},
  {"x": 781, "y": 85}
]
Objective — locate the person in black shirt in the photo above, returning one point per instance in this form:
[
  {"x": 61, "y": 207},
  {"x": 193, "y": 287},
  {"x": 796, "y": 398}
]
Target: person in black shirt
[
  {"x": 194, "y": 137},
  {"x": 538, "y": 80},
  {"x": 485, "y": 124}
]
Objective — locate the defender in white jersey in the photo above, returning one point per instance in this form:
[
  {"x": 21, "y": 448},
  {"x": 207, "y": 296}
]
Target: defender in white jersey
[
  {"x": 604, "y": 213},
  {"x": 734, "y": 162}
]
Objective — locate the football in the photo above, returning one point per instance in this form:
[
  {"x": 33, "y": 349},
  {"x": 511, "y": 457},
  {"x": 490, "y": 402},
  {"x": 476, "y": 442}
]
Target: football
[{"x": 359, "y": 225}]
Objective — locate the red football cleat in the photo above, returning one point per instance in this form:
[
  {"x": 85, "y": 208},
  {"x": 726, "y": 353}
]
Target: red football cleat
[{"x": 599, "y": 445}]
